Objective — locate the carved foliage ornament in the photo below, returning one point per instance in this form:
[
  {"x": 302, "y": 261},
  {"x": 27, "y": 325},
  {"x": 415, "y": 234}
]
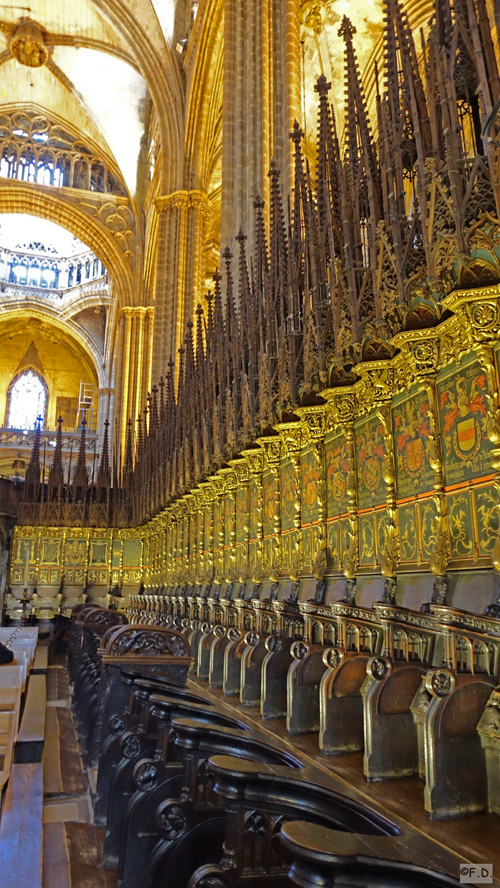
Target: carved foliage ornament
[{"x": 141, "y": 641}]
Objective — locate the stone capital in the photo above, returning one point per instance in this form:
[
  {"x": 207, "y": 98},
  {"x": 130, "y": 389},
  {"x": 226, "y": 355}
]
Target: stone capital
[{"x": 183, "y": 199}]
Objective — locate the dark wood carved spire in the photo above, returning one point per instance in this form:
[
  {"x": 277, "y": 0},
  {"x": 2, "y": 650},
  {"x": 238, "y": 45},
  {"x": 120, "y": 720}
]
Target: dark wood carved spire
[
  {"x": 56, "y": 472},
  {"x": 32, "y": 477},
  {"x": 81, "y": 477}
]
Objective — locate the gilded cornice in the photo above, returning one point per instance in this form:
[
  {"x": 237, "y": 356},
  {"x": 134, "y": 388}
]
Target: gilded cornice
[
  {"x": 478, "y": 312},
  {"x": 291, "y": 437},
  {"x": 342, "y": 406},
  {"x": 313, "y": 422},
  {"x": 229, "y": 478},
  {"x": 254, "y": 458},
  {"x": 240, "y": 467},
  {"x": 271, "y": 445}
]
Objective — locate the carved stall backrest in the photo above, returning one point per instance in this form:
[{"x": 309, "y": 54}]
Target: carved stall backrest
[
  {"x": 398, "y": 692},
  {"x": 145, "y": 640},
  {"x": 350, "y": 677},
  {"x": 99, "y": 620},
  {"x": 77, "y": 610},
  {"x": 85, "y": 611},
  {"x": 463, "y": 709}
]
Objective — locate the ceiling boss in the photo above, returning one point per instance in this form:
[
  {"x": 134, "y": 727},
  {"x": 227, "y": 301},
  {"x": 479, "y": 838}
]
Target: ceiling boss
[{"x": 28, "y": 46}]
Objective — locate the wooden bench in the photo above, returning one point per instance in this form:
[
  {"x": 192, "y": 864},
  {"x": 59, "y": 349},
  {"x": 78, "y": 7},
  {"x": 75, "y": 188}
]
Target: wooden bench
[
  {"x": 13, "y": 675},
  {"x": 21, "y": 828},
  {"x": 29, "y": 747},
  {"x": 10, "y": 701},
  {"x": 41, "y": 662},
  {"x": 7, "y": 732}
]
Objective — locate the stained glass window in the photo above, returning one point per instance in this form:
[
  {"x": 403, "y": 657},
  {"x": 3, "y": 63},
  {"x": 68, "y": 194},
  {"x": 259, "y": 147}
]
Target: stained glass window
[{"x": 27, "y": 401}]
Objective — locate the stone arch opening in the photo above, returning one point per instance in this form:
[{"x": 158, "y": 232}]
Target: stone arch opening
[{"x": 102, "y": 224}]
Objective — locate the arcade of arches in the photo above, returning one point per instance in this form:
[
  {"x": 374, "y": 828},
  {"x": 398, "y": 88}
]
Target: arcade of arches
[{"x": 250, "y": 380}]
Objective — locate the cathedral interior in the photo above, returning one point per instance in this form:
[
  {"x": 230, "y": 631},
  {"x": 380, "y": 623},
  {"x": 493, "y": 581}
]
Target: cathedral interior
[{"x": 250, "y": 443}]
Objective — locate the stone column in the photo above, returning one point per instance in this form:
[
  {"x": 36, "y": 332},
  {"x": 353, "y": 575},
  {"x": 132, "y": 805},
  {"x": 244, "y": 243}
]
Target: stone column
[
  {"x": 180, "y": 271},
  {"x": 261, "y": 99},
  {"x": 127, "y": 314},
  {"x": 140, "y": 374},
  {"x": 149, "y": 363}
]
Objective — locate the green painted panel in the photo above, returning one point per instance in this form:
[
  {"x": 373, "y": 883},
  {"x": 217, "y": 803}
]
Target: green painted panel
[
  {"x": 407, "y": 518},
  {"x": 25, "y": 546},
  {"x": 207, "y": 528},
  {"x": 286, "y": 545},
  {"x": 307, "y": 547},
  {"x": 254, "y": 557},
  {"x": 270, "y": 501},
  {"x": 463, "y": 399},
  {"x": 460, "y": 525},
  {"x": 369, "y": 440},
  {"x": 132, "y": 553},
  {"x": 345, "y": 528},
  {"x": 427, "y": 510},
  {"x": 486, "y": 502},
  {"x": 367, "y": 552},
  {"x": 117, "y": 551},
  {"x": 383, "y": 524},
  {"x": 289, "y": 491},
  {"x": 75, "y": 553},
  {"x": 229, "y": 518},
  {"x": 336, "y": 471},
  {"x": 310, "y": 478},
  {"x": 333, "y": 545},
  {"x": 411, "y": 426},
  {"x": 50, "y": 551},
  {"x": 255, "y": 508},
  {"x": 241, "y": 513}
]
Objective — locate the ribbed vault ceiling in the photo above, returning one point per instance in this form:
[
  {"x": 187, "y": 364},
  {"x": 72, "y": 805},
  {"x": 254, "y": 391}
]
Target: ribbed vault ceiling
[{"x": 92, "y": 78}]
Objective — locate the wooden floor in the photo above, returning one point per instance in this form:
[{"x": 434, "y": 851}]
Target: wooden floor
[
  {"x": 445, "y": 844},
  {"x": 72, "y": 846}
]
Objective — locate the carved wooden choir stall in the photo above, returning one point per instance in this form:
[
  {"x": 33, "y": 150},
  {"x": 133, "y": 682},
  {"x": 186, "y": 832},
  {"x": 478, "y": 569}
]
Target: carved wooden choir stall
[{"x": 190, "y": 796}]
